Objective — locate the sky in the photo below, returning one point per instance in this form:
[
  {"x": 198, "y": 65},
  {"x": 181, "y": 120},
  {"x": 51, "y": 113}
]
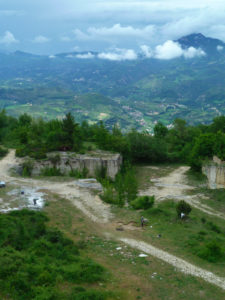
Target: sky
[{"x": 116, "y": 29}]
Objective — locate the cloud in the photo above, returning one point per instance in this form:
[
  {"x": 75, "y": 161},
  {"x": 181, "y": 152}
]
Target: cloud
[
  {"x": 40, "y": 39},
  {"x": 171, "y": 49},
  {"x": 88, "y": 55},
  {"x": 8, "y": 39},
  {"x": 168, "y": 50},
  {"x": 116, "y": 31},
  {"x": 119, "y": 55},
  {"x": 192, "y": 52},
  {"x": 146, "y": 51},
  {"x": 219, "y": 48}
]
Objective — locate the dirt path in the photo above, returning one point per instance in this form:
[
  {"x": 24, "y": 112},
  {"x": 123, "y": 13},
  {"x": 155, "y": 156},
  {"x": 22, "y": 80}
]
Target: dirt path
[
  {"x": 178, "y": 263},
  {"x": 174, "y": 187},
  {"x": 83, "y": 198},
  {"x": 96, "y": 210}
]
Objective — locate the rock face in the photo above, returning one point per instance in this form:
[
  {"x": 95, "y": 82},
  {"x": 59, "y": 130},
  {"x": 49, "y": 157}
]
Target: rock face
[
  {"x": 89, "y": 163},
  {"x": 215, "y": 172}
]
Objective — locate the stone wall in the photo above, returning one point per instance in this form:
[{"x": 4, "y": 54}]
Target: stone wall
[
  {"x": 215, "y": 172},
  {"x": 71, "y": 161}
]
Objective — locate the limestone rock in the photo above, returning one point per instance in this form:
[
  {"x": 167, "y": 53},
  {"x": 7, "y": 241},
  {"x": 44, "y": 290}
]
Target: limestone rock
[{"x": 68, "y": 161}]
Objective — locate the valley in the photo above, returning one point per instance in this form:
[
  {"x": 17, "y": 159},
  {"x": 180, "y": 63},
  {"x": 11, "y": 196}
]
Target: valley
[{"x": 132, "y": 94}]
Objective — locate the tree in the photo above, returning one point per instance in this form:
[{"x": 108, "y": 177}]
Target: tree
[
  {"x": 160, "y": 130},
  {"x": 71, "y": 133},
  {"x": 183, "y": 207}
]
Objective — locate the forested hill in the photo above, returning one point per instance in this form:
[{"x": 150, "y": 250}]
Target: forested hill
[{"x": 133, "y": 93}]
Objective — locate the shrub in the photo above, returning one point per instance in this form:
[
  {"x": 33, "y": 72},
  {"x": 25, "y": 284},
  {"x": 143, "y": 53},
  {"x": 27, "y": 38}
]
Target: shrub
[
  {"x": 38, "y": 154},
  {"x": 101, "y": 173},
  {"x": 213, "y": 227},
  {"x": 211, "y": 252},
  {"x": 143, "y": 202},
  {"x": 183, "y": 207},
  {"x": 79, "y": 174},
  {"x": 21, "y": 151},
  {"x": 51, "y": 172},
  {"x": 27, "y": 168},
  {"x": 110, "y": 195},
  {"x": 3, "y": 152},
  {"x": 81, "y": 294}
]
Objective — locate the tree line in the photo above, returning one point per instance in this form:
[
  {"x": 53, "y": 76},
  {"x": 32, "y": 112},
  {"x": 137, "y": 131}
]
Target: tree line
[{"x": 182, "y": 143}]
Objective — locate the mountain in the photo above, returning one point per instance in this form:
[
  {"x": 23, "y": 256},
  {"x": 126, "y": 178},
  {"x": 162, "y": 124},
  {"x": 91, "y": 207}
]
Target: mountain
[
  {"x": 135, "y": 93},
  {"x": 198, "y": 40}
]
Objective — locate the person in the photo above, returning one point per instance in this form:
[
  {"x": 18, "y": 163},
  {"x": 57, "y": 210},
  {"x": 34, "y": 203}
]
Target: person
[
  {"x": 182, "y": 215},
  {"x": 35, "y": 201},
  {"x": 142, "y": 221}
]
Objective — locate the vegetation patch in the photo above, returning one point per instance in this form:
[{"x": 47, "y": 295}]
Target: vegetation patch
[
  {"x": 143, "y": 202},
  {"x": 198, "y": 235},
  {"x": 36, "y": 260},
  {"x": 51, "y": 171}
]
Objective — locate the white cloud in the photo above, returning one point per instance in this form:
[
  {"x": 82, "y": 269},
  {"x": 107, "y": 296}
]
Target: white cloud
[
  {"x": 118, "y": 55},
  {"x": 219, "y": 48},
  {"x": 171, "y": 49},
  {"x": 168, "y": 50},
  {"x": 192, "y": 52},
  {"x": 8, "y": 39},
  {"x": 40, "y": 39},
  {"x": 52, "y": 56},
  {"x": 88, "y": 55},
  {"x": 146, "y": 50}
]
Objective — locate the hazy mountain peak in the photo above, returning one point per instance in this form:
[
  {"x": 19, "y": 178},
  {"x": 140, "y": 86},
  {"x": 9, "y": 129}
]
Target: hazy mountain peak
[{"x": 198, "y": 40}]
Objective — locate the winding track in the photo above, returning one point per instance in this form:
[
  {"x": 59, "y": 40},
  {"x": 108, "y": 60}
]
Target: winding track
[{"x": 99, "y": 212}]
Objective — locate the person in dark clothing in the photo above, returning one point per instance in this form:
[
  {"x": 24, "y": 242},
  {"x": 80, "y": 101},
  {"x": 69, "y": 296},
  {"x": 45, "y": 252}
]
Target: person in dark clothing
[{"x": 142, "y": 221}]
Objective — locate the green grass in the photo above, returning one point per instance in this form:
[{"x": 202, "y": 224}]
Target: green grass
[
  {"x": 186, "y": 238},
  {"x": 132, "y": 276}
]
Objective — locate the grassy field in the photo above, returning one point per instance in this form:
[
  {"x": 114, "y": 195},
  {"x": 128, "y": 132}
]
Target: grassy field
[
  {"x": 131, "y": 276},
  {"x": 128, "y": 276}
]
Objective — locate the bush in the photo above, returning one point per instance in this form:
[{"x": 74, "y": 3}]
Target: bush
[
  {"x": 110, "y": 195},
  {"x": 21, "y": 151},
  {"x": 183, "y": 207},
  {"x": 27, "y": 168},
  {"x": 51, "y": 172},
  {"x": 143, "y": 202},
  {"x": 101, "y": 173},
  {"x": 3, "y": 152},
  {"x": 213, "y": 227},
  {"x": 211, "y": 252},
  {"x": 79, "y": 174}
]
